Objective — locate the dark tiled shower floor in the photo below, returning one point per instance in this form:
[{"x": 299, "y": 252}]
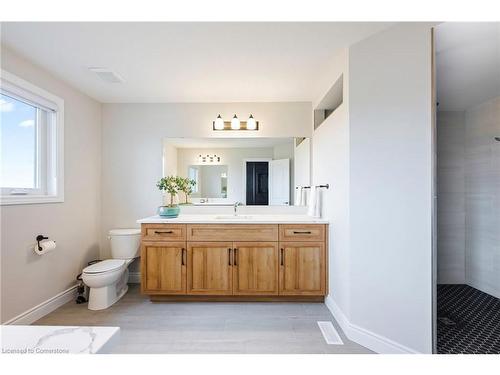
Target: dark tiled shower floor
[{"x": 468, "y": 321}]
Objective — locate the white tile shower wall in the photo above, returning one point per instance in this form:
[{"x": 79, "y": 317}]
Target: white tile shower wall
[
  {"x": 482, "y": 197},
  {"x": 451, "y": 197}
]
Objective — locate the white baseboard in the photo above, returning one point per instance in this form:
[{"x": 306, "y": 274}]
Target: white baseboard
[
  {"x": 362, "y": 336},
  {"x": 134, "y": 277},
  {"x": 44, "y": 308}
]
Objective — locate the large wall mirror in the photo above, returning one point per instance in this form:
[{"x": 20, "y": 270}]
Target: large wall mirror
[{"x": 253, "y": 171}]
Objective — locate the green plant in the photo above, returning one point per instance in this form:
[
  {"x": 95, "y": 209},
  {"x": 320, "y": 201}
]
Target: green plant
[
  {"x": 169, "y": 185},
  {"x": 186, "y": 186}
]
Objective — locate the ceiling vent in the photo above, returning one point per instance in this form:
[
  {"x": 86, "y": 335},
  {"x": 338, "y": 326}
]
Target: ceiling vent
[{"x": 107, "y": 75}]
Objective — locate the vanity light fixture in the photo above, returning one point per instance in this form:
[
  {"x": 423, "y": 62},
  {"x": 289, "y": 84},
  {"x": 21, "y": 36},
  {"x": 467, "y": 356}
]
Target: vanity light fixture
[
  {"x": 251, "y": 123},
  {"x": 235, "y": 124},
  {"x": 208, "y": 158},
  {"x": 219, "y": 123}
]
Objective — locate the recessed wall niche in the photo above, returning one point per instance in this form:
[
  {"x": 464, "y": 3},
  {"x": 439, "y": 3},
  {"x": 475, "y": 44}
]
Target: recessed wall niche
[{"x": 330, "y": 102}]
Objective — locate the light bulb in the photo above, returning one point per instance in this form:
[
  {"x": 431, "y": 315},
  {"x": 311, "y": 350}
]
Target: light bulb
[
  {"x": 219, "y": 123},
  {"x": 235, "y": 123},
  {"x": 251, "y": 123}
]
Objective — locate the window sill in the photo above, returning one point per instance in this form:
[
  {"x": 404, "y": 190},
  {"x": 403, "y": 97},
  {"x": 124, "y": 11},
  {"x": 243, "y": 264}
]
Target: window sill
[{"x": 8, "y": 200}]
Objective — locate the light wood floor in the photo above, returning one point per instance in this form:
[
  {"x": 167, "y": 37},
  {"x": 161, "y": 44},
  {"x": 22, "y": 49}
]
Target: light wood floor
[{"x": 208, "y": 327}]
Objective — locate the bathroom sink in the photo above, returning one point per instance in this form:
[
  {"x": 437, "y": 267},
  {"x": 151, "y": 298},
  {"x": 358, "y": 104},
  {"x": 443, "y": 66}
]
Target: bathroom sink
[{"x": 233, "y": 217}]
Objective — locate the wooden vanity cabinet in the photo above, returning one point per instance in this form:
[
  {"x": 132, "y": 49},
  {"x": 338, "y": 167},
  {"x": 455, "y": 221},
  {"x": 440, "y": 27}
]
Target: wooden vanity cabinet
[
  {"x": 234, "y": 261},
  {"x": 302, "y": 268},
  {"x": 210, "y": 270},
  {"x": 255, "y": 268},
  {"x": 232, "y": 268},
  {"x": 163, "y": 267}
]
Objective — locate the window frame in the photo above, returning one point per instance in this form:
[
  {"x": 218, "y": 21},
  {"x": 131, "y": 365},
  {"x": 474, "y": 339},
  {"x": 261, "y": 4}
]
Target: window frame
[
  {"x": 50, "y": 143},
  {"x": 195, "y": 178}
]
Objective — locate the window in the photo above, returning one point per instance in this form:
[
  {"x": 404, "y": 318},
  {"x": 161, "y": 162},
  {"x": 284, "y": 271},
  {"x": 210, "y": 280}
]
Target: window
[
  {"x": 31, "y": 141},
  {"x": 193, "y": 175}
]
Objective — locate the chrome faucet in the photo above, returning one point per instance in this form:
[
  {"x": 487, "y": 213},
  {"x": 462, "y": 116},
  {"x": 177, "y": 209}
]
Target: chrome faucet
[{"x": 236, "y": 204}]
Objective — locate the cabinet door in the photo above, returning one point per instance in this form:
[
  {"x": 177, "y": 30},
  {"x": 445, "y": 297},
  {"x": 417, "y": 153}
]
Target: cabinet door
[
  {"x": 255, "y": 268},
  {"x": 164, "y": 267},
  {"x": 209, "y": 271},
  {"x": 302, "y": 268}
]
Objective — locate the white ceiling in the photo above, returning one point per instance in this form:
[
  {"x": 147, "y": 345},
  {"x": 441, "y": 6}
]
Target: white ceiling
[
  {"x": 227, "y": 142},
  {"x": 467, "y": 64},
  {"x": 189, "y": 62}
]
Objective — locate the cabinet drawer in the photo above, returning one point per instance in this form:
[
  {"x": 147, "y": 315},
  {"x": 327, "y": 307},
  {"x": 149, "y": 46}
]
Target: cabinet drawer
[
  {"x": 302, "y": 232},
  {"x": 163, "y": 232},
  {"x": 228, "y": 232}
]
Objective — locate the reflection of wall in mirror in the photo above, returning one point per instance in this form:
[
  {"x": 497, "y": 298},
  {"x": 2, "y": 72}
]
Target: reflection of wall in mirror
[
  {"x": 211, "y": 180},
  {"x": 302, "y": 163},
  {"x": 286, "y": 151},
  {"x": 169, "y": 159}
]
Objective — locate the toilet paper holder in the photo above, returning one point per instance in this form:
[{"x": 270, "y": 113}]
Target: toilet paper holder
[{"x": 40, "y": 238}]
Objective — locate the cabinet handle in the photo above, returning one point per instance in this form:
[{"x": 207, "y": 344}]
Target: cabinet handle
[
  {"x": 183, "y": 262},
  {"x": 229, "y": 255},
  {"x": 235, "y": 257},
  {"x": 301, "y": 232},
  {"x": 164, "y": 231},
  {"x": 282, "y": 256}
]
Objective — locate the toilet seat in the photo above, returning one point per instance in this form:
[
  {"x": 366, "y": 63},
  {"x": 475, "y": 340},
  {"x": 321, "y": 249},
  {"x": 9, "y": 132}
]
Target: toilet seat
[{"x": 106, "y": 266}]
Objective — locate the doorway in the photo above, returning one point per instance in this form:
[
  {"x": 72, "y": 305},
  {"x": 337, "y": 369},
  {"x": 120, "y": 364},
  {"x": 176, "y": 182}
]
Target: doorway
[
  {"x": 267, "y": 182},
  {"x": 257, "y": 183},
  {"x": 467, "y": 303}
]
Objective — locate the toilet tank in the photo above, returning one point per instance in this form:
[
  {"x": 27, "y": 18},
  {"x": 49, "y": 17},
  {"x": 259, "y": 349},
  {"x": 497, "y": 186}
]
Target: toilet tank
[{"x": 125, "y": 243}]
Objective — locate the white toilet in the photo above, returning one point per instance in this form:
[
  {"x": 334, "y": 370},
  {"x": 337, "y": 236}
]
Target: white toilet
[{"x": 107, "y": 280}]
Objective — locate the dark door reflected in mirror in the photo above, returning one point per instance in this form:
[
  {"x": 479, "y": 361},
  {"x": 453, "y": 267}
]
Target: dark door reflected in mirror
[{"x": 257, "y": 183}]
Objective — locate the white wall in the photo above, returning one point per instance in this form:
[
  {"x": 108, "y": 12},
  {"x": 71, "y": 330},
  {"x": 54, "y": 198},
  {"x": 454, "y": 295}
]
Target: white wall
[
  {"x": 211, "y": 180},
  {"x": 451, "y": 197},
  {"x": 390, "y": 117},
  {"x": 29, "y": 279},
  {"x": 375, "y": 152},
  {"x": 482, "y": 196},
  {"x": 286, "y": 151},
  {"x": 302, "y": 163},
  {"x": 134, "y": 133},
  {"x": 330, "y": 164},
  {"x": 169, "y": 159}
]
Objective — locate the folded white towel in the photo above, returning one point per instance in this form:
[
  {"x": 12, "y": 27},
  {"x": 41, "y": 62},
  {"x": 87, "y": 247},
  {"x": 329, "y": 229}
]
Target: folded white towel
[
  {"x": 304, "y": 197},
  {"x": 315, "y": 202},
  {"x": 311, "y": 202},
  {"x": 319, "y": 203},
  {"x": 298, "y": 196}
]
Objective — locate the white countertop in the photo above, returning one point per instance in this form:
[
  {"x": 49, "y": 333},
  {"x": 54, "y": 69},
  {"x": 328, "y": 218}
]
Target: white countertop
[
  {"x": 198, "y": 204},
  {"x": 231, "y": 219},
  {"x": 57, "y": 339}
]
